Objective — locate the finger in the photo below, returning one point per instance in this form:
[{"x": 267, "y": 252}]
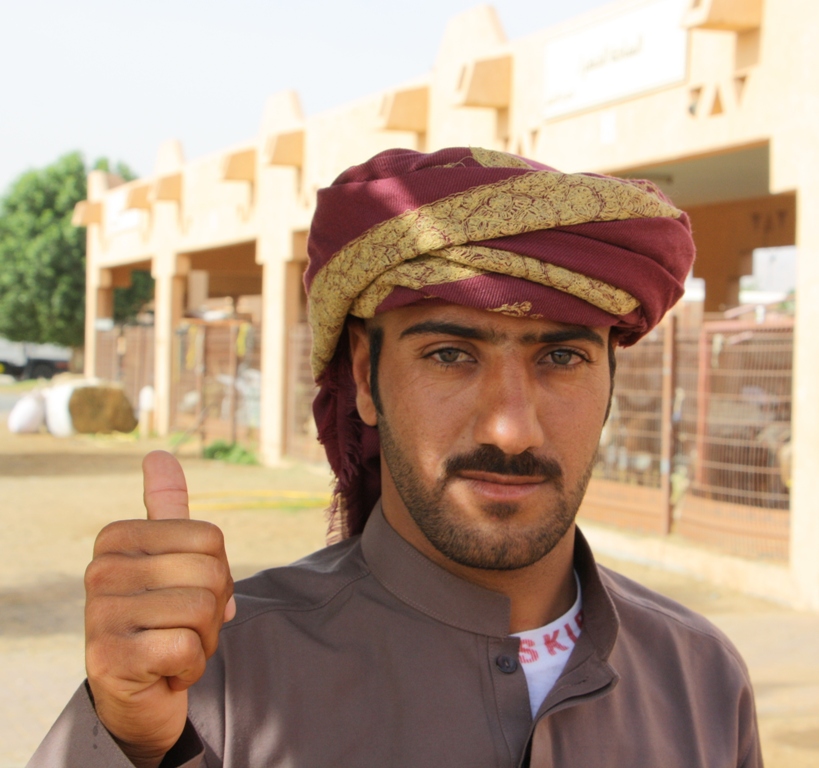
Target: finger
[
  {"x": 129, "y": 664},
  {"x": 197, "y": 609},
  {"x": 159, "y": 537},
  {"x": 116, "y": 573},
  {"x": 165, "y": 489}
]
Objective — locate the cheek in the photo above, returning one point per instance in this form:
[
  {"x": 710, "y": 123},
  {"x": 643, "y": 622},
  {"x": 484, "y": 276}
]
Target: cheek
[
  {"x": 574, "y": 415},
  {"x": 426, "y": 424}
]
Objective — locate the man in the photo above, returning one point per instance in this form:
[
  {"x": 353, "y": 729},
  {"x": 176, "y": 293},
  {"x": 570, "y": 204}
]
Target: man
[{"x": 465, "y": 306}]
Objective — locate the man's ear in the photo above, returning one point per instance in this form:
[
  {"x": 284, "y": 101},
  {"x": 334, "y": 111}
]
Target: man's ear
[{"x": 360, "y": 356}]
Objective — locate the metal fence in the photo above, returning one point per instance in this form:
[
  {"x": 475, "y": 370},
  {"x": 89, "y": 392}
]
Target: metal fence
[
  {"x": 107, "y": 364},
  {"x": 697, "y": 443},
  {"x": 216, "y": 383},
  {"x": 698, "y": 440},
  {"x": 734, "y": 438},
  {"x": 629, "y": 487},
  {"x": 301, "y": 436},
  {"x": 126, "y": 354}
]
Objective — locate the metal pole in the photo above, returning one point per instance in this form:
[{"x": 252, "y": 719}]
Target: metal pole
[{"x": 667, "y": 418}]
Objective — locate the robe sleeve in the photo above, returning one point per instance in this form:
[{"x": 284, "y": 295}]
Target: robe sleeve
[{"x": 79, "y": 738}]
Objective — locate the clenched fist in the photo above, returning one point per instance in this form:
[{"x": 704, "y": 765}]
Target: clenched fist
[{"x": 157, "y": 594}]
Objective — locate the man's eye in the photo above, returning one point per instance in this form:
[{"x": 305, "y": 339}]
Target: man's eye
[
  {"x": 448, "y": 356},
  {"x": 563, "y": 357}
]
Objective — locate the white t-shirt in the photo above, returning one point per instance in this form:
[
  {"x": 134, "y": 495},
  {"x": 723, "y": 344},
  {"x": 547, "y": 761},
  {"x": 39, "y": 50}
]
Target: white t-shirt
[{"x": 544, "y": 651}]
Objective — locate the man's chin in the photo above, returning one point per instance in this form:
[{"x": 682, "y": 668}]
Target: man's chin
[
  {"x": 474, "y": 507},
  {"x": 493, "y": 553},
  {"x": 496, "y": 537}
]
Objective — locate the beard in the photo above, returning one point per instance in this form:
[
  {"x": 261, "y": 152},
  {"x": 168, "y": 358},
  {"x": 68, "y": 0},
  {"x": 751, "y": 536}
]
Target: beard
[{"x": 505, "y": 548}]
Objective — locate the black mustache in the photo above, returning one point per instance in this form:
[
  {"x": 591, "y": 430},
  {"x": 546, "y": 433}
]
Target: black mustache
[{"x": 490, "y": 458}]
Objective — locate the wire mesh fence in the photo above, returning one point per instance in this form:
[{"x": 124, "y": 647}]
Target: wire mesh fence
[
  {"x": 631, "y": 440},
  {"x": 698, "y": 438},
  {"x": 732, "y": 454},
  {"x": 107, "y": 361},
  {"x": 301, "y": 439},
  {"x": 137, "y": 360},
  {"x": 627, "y": 481},
  {"x": 216, "y": 387},
  {"x": 697, "y": 442},
  {"x": 125, "y": 354}
]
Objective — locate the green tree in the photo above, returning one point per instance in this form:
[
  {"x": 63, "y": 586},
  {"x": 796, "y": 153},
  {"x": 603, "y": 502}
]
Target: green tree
[{"x": 42, "y": 256}]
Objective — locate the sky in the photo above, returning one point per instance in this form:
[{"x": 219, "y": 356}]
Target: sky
[{"x": 113, "y": 78}]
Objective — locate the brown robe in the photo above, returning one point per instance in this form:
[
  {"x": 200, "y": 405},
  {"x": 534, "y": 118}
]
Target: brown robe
[{"x": 368, "y": 654}]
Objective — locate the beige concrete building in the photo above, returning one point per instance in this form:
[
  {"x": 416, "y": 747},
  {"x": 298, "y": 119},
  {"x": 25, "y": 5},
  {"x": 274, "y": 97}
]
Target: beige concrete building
[{"x": 715, "y": 100}]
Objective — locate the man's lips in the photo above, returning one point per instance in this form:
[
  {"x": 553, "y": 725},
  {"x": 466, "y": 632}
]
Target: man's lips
[
  {"x": 492, "y": 477},
  {"x": 501, "y": 487}
]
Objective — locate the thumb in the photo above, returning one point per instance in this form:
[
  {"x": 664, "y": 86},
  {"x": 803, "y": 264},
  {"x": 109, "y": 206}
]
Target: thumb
[{"x": 165, "y": 490}]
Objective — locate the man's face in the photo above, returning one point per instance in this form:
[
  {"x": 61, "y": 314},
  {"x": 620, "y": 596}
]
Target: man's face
[{"x": 489, "y": 427}]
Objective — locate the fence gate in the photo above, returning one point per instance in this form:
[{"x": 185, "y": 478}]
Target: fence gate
[
  {"x": 137, "y": 360},
  {"x": 217, "y": 380},
  {"x": 301, "y": 436},
  {"x": 107, "y": 362},
  {"x": 698, "y": 439},
  {"x": 732, "y": 460},
  {"x": 126, "y": 354},
  {"x": 628, "y": 488}
]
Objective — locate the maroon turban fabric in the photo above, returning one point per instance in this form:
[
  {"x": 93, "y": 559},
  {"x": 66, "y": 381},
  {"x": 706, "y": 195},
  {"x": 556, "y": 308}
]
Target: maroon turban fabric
[{"x": 482, "y": 229}]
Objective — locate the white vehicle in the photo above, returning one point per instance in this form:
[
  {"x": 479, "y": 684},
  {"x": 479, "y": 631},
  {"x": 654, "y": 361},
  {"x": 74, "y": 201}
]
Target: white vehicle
[{"x": 24, "y": 360}]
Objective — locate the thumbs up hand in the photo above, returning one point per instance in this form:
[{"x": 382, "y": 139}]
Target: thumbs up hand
[{"x": 157, "y": 594}]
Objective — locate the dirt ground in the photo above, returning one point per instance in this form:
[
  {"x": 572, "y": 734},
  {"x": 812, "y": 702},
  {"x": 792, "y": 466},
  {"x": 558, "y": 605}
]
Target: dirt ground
[{"x": 57, "y": 494}]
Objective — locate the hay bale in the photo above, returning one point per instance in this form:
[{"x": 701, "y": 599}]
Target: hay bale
[{"x": 101, "y": 408}]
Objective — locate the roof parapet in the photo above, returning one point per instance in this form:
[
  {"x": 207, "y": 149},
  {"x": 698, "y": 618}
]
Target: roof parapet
[
  {"x": 239, "y": 165},
  {"x": 486, "y": 83},
  {"x": 406, "y": 109},
  {"x": 85, "y": 213},
  {"x": 285, "y": 149},
  {"x": 725, "y": 15},
  {"x": 140, "y": 195}
]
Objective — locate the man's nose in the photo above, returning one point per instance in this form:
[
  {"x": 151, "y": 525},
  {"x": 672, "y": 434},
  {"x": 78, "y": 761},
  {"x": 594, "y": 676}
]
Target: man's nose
[{"x": 507, "y": 414}]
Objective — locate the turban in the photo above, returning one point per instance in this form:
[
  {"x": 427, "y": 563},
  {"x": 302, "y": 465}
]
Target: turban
[{"x": 482, "y": 229}]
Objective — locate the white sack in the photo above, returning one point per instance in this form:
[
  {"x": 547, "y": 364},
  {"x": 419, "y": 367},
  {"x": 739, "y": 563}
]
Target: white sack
[{"x": 28, "y": 414}]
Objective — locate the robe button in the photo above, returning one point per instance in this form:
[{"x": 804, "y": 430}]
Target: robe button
[{"x": 507, "y": 664}]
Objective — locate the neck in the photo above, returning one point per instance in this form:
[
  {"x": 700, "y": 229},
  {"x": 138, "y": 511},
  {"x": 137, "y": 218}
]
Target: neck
[{"x": 538, "y": 593}]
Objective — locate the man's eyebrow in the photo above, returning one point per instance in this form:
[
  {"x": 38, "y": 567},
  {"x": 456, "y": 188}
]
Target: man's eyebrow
[
  {"x": 448, "y": 329},
  {"x": 570, "y": 333}
]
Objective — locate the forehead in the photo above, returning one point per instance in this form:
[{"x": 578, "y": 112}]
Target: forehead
[{"x": 451, "y": 319}]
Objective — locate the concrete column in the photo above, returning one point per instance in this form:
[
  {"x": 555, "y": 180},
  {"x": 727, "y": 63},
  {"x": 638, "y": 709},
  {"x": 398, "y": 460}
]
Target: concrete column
[
  {"x": 274, "y": 351},
  {"x": 99, "y": 294},
  {"x": 99, "y": 304},
  {"x": 792, "y": 32},
  {"x": 169, "y": 294},
  {"x": 805, "y": 420}
]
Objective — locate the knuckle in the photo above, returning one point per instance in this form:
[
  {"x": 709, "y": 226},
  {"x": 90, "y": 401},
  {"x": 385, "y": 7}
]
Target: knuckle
[
  {"x": 218, "y": 575},
  {"x": 103, "y": 616},
  {"x": 107, "y": 536},
  {"x": 205, "y": 603},
  {"x": 99, "y": 572},
  {"x": 186, "y": 646},
  {"x": 213, "y": 540},
  {"x": 116, "y": 536}
]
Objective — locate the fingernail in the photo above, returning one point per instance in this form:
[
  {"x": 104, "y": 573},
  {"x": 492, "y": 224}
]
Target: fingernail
[{"x": 230, "y": 608}]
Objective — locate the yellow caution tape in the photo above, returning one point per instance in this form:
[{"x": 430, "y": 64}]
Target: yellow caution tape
[
  {"x": 226, "y": 501},
  {"x": 241, "y": 339},
  {"x": 190, "y": 357}
]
